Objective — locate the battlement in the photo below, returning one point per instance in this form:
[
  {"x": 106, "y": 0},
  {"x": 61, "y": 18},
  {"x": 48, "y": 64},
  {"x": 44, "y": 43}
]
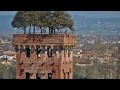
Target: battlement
[{"x": 44, "y": 39}]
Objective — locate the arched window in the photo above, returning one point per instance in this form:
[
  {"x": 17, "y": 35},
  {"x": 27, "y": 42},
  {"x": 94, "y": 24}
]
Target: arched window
[
  {"x": 55, "y": 49},
  {"x": 43, "y": 49},
  {"x": 49, "y": 51},
  {"x": 21, "y": 49},
  {"x": 27, "y": 75},
  {"x": 38, "y": 76},
  {"x": 60, "y": 48},
  {"x": 16, "y": 48},
  {"x": 27, "y": 52},
  {"x": 49, "y": 75}
]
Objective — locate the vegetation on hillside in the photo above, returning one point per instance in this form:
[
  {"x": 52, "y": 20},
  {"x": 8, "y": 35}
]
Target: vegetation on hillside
[{"x": 7, "y": 71}]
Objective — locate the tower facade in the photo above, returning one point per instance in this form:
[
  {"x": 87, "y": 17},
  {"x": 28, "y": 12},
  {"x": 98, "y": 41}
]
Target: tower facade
[{"x": 44, "y": 56}]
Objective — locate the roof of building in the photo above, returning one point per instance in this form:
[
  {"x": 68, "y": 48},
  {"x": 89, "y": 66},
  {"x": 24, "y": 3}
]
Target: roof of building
[{"x": 8, "y": 52}]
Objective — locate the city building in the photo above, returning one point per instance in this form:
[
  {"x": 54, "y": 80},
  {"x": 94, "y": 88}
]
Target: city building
[{"x": 5, "y": 41}]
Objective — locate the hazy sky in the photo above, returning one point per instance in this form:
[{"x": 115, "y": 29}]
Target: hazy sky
[
  {"x": 7, "y": 12},
  {"x": 80, "y": 13},
  {"x": 97, "y": 13}
]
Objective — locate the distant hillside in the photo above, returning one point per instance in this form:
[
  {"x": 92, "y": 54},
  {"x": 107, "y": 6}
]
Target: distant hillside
[{"x": 96, "y": 25}]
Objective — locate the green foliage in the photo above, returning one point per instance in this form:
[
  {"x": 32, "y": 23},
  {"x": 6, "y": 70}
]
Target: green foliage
[
  {"x": 7, "y": 72},
  {"x": 96, "y": 46},
  {"x": 87, "y": 47},
  {"x": 54, "y": 20}
]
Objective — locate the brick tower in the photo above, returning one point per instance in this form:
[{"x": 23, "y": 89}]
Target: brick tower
[{"x": 44, "y": 56}]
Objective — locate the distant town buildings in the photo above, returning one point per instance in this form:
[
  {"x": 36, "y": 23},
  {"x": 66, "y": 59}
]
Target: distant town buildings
[
  {"x": 8, "y": 55},
  {"x": 5, "y": 41}
]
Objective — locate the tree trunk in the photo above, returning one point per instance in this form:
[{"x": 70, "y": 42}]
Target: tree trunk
[
  {"x": 49, "y": 30},
  {"x": 33, "y": 29},
  {"x": 24, "y": 30},
  {"x": 30, "y": 29},
  {"x": 54, "y": 31},
  {"x": 41, "y": 30},
  {"x": 33, "y": 33}
]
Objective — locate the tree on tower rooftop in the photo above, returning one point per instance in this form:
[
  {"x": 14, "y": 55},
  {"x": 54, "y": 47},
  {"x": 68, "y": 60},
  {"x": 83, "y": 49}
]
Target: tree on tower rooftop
[{"x": 51, "y": 20}]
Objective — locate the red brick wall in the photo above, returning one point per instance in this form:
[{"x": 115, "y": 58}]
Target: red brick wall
[
  {"x": 23, "y": 39},
  {"x": 63, "y": 66},
  {"x": 58, "y": 66}
]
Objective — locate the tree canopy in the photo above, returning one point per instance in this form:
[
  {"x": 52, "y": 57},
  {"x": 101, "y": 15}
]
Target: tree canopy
[{"x": 54, "y": 21}]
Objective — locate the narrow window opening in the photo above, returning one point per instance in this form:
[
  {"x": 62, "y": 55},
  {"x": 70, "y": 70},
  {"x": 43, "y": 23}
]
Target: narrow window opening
[
  {"x": 27, "y": 52},
  {"x": 43, "y": 49},
  {"x": 49, "y": 75},
  {"x": 64, "y": 53},
  {"x": 49, "y": 51},
  {"x": 38, "y": 76},
  {"x": 39, "y": 52},
  {"x": 68, "y": 54},
  {"x": 55, "y": 49},
  {"x": 21, "y": 49},
  {"x": 60, "y": 48},
  {"x": 16, "y": 48},
  {"x": 27, "y": 75}
]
